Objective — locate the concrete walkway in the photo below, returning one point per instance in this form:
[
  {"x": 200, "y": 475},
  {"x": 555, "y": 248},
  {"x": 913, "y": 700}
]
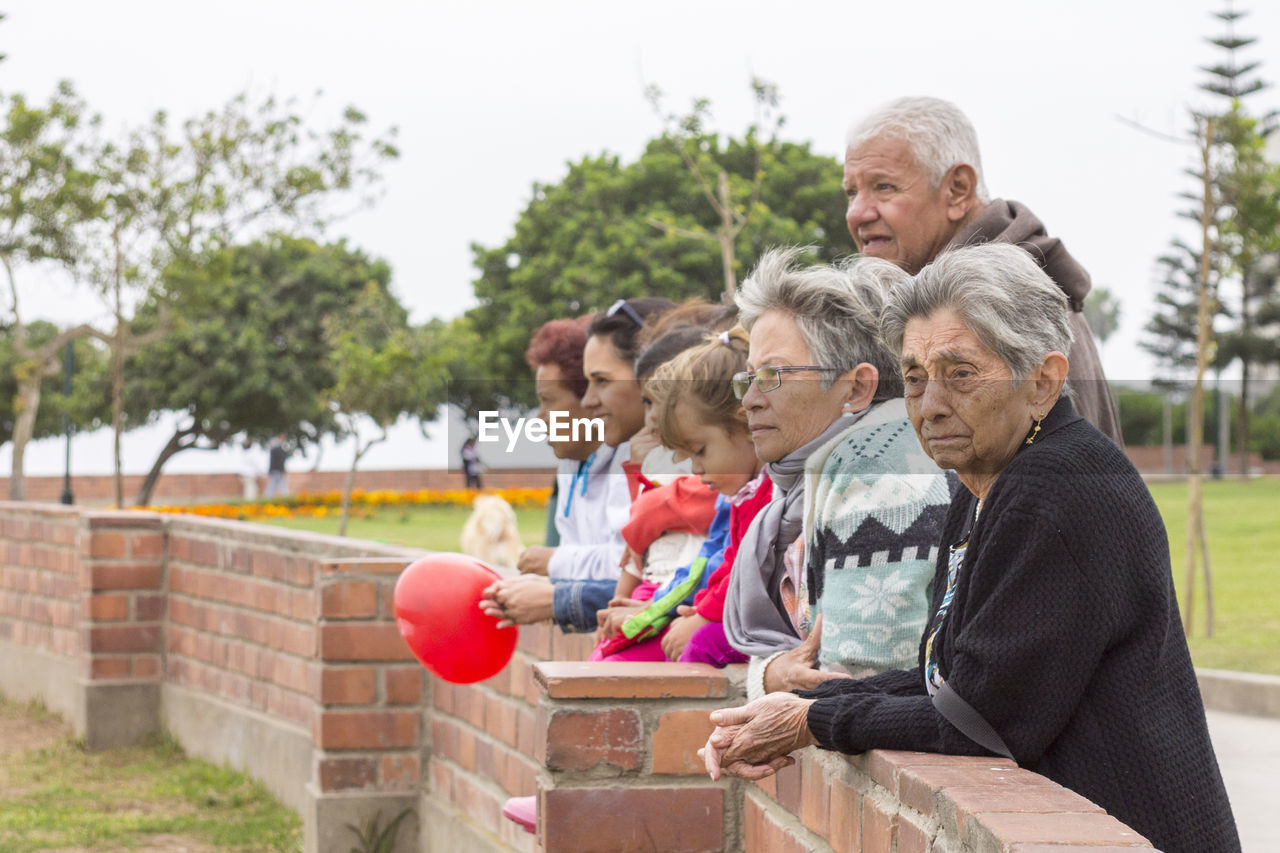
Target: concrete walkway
[{"x": 1248, "y": 750}]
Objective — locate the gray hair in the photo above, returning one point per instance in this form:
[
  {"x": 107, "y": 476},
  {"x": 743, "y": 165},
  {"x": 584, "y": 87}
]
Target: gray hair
[
  {"x": 939, "y": 135},
  {"x": 999, "y": 292},
  {"x": 836, "y": 307}
]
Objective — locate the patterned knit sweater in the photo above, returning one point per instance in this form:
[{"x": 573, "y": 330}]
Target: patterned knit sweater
[
  {"x": 876, "y": 504},
  {"x": 1064, "y": 634}
]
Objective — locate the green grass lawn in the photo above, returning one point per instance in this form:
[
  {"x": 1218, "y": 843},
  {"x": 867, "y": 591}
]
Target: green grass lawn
[
  {"x": 56, "y": 796},
  {"x": 1242, "y": 525},
  {"x": 1242, "y": 520},
  {"x": 434, "y": 528}
]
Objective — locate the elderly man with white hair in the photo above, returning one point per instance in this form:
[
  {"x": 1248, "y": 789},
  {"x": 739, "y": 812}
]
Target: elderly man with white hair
[{"x": 913, "y": 175}]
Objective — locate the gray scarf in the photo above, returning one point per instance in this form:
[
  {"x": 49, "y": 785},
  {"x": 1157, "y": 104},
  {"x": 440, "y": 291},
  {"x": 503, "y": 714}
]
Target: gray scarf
[{"x": 755, "y": 622}]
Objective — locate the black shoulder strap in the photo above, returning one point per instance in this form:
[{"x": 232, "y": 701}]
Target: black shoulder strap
[{"x": 972, "y": 724}]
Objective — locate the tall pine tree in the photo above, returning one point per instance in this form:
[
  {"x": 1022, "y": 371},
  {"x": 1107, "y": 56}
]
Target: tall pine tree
[{"x": 1246, "y": 234}]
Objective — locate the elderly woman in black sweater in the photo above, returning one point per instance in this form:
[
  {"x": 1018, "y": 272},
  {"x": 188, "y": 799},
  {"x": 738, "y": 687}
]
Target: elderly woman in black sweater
[{"x": 1055, "y": 638}]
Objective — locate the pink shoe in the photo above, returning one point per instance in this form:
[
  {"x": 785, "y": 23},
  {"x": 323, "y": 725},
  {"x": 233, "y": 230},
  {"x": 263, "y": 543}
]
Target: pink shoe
[{"x": 522, "y": 810}]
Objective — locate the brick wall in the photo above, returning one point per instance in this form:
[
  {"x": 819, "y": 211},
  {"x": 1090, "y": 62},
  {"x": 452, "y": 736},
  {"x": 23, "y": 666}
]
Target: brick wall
[
  {"x": 40, "y": 580},
  {"x": 99, "y": 490},
  {"x": 276, "y": 651}
]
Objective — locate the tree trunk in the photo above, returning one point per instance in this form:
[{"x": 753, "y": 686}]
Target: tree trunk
[
  {"x": 726, "y": 235},
  {"x": 173, "y": 446},
  {"x": 1195, "y": 434},
  {"x": 117, "y": 378},
  {"x": 28, "y": 403},
  {"x": 349, "y": 482}
]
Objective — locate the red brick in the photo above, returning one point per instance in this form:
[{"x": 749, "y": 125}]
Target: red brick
[
  {"x": 345, "y": 774},
  {"x": 780, "y": 838},
  {"x": 679, "y": 736},
  {"x": 1004, "y": 798},
  {"x": 467, "y": 749},
  {"x": 361, "y": 641},
  {"x": 124, "y": 638},
  {"x": 109, "y": 668},
  {"x": 1056, "y": 828},
  {"x": 885, "y": 765},
  {"x": 440, "y": 779},
  {"x": 579, "y": 740},
  {"x": 753, "y": 840},
  {"x": 501, "y": 715},
  {"x": 401, "y": 771},
  {"x": 845, "y": 822},
  {"x": 108, "y": 545},
  {"x": 349, "y": 600},
  {"x": 442, "y": 695},
  {"x": 125, "y": 576},
  {"x": 814, "y": 808},
  {"x": 1086, "y": 848},
  {"x": 109, "y": 608},
  {"x": 403, "y": 685},
  {"x": 638, "y": 819},
  {"x": 348, "y": 686},
  {"x": 916, "y": 785},
  {"x": 367, "y": 729},
  {"x": 146, "y": 666},
  {"x": 148, "y": 608},
  {"x": 788, "y": 788},
  {"x": 912, "y": 839},
  {"x": 146, "y": 545},
  {"x": 609, "y": 680},
  {"x": 878, "y": 827}
]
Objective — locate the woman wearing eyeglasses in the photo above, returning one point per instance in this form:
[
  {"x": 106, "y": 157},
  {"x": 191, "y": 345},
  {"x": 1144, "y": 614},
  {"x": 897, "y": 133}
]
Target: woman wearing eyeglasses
[{"x": 824, "y": 406}]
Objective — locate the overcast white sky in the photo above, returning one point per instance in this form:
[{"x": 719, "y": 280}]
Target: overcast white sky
[{"x": 491, "y": 97}]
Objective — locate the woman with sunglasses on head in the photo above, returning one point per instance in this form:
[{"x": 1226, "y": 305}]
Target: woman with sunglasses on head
[
  {"x": 833, "y": 577},
  {"x": 583, "y": 578}
]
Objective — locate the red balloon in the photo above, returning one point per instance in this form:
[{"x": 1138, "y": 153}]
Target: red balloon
[{"x": 437, "y": 605}]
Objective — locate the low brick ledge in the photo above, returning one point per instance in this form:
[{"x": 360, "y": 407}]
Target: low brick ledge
[
  {"x": 622, "y": 737},
  {"x": 1240, "y": 692}
]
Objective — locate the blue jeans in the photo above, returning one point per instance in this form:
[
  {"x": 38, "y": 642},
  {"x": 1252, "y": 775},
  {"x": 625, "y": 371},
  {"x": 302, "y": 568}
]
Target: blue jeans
[{"x": 576, "y": 601}]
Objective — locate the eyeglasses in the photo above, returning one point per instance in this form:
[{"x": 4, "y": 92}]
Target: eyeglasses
[
  {"x": 769, "y": 378},
  {"x": 621, "y": 305}
]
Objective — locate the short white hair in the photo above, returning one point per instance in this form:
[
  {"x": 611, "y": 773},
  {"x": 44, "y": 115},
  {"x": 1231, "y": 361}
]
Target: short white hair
[
  {"x": 939, "y": 134},
  {"x": 1001, "y": 295},
  {"x": 837, "y": 309}
]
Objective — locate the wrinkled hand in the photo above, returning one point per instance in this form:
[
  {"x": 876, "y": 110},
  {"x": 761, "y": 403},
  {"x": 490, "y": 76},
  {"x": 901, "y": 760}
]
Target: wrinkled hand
[
  {"x": 643, "y": 442},
  {"x": 521, "y": 600},
  {"x": 609, "y": 621},
  {"x": 756, "y": 740},
  {"x": 681, "y": 630},
  {"x": 534, "y": 559},
  {"x": 796, "y": 669}
]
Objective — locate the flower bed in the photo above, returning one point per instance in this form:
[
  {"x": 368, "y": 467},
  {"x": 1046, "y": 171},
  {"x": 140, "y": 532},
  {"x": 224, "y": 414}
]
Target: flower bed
[{"x": 363, "y": 503}]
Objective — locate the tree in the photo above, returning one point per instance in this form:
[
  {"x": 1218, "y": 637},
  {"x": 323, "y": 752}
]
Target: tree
[
  {"x": 1102, "y": 313},
  {"x": 588, "y": 240},
  {"x": 88, "y": 403},
  {"x": 246, "y": 352},
  {"x": 1246, "y": 234},
  {"x": 382, "y": 369},
  {"x": 172, "y": 196},
  {"x": 46, "y": 195}
]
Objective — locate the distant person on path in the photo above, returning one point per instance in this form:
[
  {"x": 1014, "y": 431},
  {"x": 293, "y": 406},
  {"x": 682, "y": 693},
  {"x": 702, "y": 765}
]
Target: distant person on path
[
  {"x": 471, "y": 463},
  {"x": 277, "y": 483},
  {"x": 913, "y": 175},
  {"x": 249, "y": 468}
]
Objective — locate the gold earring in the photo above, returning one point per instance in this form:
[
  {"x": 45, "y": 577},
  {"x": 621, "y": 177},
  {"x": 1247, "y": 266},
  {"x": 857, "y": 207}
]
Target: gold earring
[{"x": 1035, "y": 431}]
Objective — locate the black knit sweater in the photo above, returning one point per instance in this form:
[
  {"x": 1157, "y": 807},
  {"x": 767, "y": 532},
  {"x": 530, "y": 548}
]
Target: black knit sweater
[{"x": 1064, "y": 634}]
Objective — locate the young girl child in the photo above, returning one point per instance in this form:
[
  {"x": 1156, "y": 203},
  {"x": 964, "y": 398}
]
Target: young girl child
[{"x": 698, "y": 415}]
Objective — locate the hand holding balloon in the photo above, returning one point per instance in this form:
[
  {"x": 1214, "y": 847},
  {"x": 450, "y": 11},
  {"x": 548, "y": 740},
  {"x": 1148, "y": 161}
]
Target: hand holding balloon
[{"x": 438, "y": 614}]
